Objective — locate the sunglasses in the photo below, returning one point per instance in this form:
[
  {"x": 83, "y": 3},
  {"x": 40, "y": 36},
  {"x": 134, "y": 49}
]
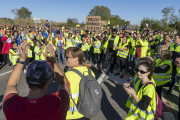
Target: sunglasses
[{"x": 137, "y": 70}]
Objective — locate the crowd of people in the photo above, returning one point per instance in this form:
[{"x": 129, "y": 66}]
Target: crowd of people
[{"x": 151, "y": 56}]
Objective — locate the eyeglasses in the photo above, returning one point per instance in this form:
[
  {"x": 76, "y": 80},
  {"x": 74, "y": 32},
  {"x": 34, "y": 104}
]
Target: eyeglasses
[
  {"x": 137, "y": 70},
  {"x": 68, "y": 57}
]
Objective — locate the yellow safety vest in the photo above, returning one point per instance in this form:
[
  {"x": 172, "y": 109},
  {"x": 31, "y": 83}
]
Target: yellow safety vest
[
  {"x": 42, "y": 57},
  {"x": 66, "y": 34},
  {"x": 162, "y": 78},
  {"x": 116, "y": 40},
  {"x": 150, "y": 51},
  {"x": 69, "y": 44},
  {"x": 132, "y": 50},
  {"x": 178, "y": 72},
  {"x": 172, "y": 47},
  {"x": 86, "y": 46},
  {"x": 135, "y": 112},
  {"x": 77, "y": 39},
  {"x": 13, "y": 59},
  {"x": 56, "y": 41},
  {"x": 144, "y": 47},
  {"x": 97, "y": 50},
  {"x": 120, "y": 53},
  {"x": 74, "y": 80}
]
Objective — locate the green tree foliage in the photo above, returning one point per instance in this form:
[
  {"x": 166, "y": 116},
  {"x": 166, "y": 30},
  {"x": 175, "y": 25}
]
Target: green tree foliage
[
  {"x": 143, "y": 23},
  {"x": 22, "y": 13},
  {"x": 168, "y": 23},
  {"x": 71, "y": 22},
  {"x": 102, "y": 11}
]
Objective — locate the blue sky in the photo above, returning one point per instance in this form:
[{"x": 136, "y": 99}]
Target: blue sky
[{"x": 61, "y": 10}]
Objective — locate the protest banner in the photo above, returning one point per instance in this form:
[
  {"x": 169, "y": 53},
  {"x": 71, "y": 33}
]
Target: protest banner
[{"x": 94, "y": 23}]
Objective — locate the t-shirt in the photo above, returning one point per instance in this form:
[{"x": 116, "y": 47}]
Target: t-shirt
[
  {"x": 138, "y": 51},
  {"x": 48, "y": 107},
  {"x": 60, "y": 43},
  {"x": 111, "y": 42}
]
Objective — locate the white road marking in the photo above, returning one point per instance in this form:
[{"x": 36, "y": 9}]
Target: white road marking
[{"x": 6, "y": 73}]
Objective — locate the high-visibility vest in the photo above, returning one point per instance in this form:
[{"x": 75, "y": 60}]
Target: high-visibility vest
[
  {"x": 42, "y": 38},
  {"x": 178, "y": 72},
  {"x": 162, "y": 78},
  {"x": 74, "y": 80},
  {"x": 52, "y": 42},
  {"x": 29, "y": 50},
  {"x": 86, "y": 46},
  {"x": 97, "y": 50},
  {"x": 77, "y": 39},
  {"x": 56, "y": 41},
  {"x": 132, "y": 50},
  {"x": 42, "y": 57},
  {"x": 66, "y": 34},
  {"x": 13, "y": 59},
  {"x": 116, "y": 40},
  {"x": 108, "y": 22},
  {"x": 172, "y": 47},
  {"x": 120, "y": 53},
  {"x": 144, "y": 47},
  {"x": 135, "y": 112},
  {"x": 69, "y": 44},
  {"x": 150, "y": 51}
]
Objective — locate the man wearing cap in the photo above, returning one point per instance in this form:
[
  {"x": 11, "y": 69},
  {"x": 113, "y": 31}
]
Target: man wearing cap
[{"x": 37, "y": 105}]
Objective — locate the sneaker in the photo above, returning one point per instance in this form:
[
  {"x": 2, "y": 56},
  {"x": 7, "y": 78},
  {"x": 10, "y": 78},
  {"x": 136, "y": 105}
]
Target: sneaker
[
  {"x": 121, "y": 76},
  {"x": 117, "y": 74}
]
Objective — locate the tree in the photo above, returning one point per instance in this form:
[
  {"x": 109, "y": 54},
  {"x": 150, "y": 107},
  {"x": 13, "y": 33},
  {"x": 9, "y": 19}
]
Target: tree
[
  {"x": 143, "y": 23},
  {"x": 102, "y": 11},
  {"x": 22, "y": 13}
]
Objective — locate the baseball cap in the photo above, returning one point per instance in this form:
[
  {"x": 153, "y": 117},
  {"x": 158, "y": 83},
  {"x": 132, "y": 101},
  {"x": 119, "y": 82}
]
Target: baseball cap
[{"x": 38, "y": 72}]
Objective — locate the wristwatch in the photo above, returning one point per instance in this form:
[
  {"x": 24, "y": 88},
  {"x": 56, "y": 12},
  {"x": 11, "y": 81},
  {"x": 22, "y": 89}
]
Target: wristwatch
[{"x": 21, "y": 62}]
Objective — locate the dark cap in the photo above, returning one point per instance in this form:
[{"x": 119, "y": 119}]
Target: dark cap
[{"x": 38, "y": 72}]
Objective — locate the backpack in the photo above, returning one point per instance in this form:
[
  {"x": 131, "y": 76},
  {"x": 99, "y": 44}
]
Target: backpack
[
  {"x": 90, "y": 94},
  {"x": 159, "y": 107}
]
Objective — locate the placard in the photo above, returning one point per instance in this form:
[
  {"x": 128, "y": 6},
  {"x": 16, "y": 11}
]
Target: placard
[{"x": 94, "y": 23}]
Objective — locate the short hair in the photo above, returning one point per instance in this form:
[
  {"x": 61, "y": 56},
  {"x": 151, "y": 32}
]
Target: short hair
[
  {"x": 114, "y": 30},
  {"x": 13, "y": 42},
  {"x": 76, "y": 52}
]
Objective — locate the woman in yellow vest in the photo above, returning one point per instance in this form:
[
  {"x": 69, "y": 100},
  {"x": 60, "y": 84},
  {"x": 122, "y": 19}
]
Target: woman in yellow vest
[
  {"x": 177, "y": 63},
  {"x": 151, "y": 46},
  {"x": 122, "y": 54},
  {"x": 43, "y": 51},
  {"x": 163, "y": 68},
  {"x": 14, "y": 53},
  {"x": 74, "y": 59},
  {"x": 86, "y": 46},
  {"x": 37, "y": 50},
  {"x": 97, "y": 51},
  {"x": 69, "y": 41},
  {"x": 142, "y": 100}
]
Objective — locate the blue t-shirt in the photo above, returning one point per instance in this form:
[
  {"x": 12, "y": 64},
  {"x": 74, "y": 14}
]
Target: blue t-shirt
[
  {"x": 17, "y": 40},
  {"x": 45, "y": 34}
]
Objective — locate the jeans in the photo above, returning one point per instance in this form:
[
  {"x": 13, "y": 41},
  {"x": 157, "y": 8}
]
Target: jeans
[
  {"x": 110, "y": 55},
  {"x": 173, "y": 78},
  {"x": 132, "y": 60},
  {"x": 60, "y": 52},
  {"x": 78, "y": 45},
  {"x": 136, "y": 59}
]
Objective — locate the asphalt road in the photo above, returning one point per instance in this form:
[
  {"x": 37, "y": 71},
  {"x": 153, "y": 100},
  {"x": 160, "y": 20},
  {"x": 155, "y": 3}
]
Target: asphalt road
[{"x": 112, "y": 104}]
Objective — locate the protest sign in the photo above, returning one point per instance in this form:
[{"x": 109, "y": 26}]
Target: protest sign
[{"x": 94, "y": 23}]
